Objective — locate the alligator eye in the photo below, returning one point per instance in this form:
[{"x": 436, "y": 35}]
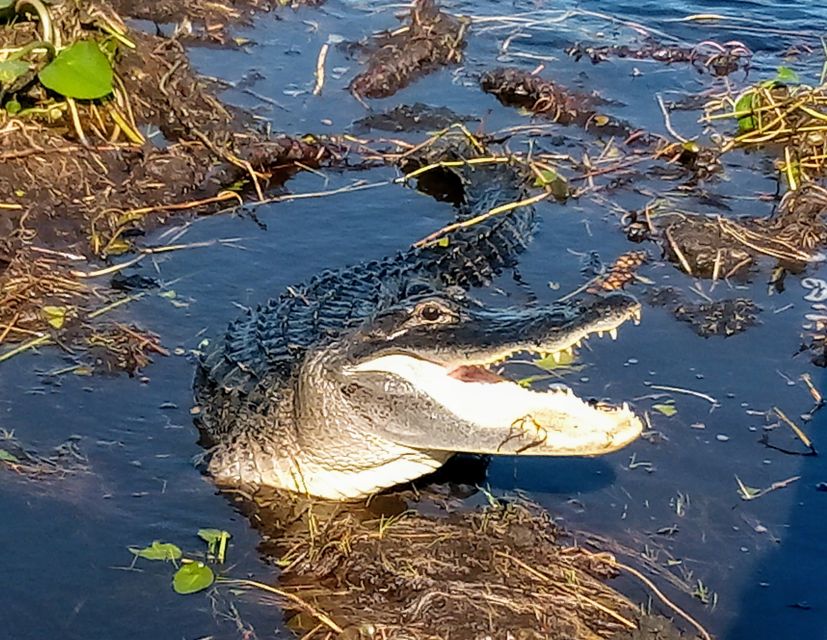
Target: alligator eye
[{"x": 430, "y": 313}]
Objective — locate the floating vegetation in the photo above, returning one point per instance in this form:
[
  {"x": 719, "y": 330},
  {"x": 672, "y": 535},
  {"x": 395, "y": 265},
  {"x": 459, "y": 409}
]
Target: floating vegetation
[
  {"x": 64, "y": 460},
  {"x": 718, "y": 318},
  {"x": 387, "y": 571},
  {"x": 104, "y": 135},
  {"x": 782, "y": 113},
  {"x": 191, "y": 575},
  {"x": 718, "y": 59},
  {"x": 515, "y": 87},
  {"x": 204, "y": 20},
  {"x": 713, "y": 246},
  {"x": 431, "y": 40}
]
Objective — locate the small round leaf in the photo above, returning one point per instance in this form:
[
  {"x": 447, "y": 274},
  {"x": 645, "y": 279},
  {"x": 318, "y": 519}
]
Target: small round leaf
[
  {"x": 79, "y": 71},
  {"x": 158, "y": 551},
  {"x": 192, "y": 577}
]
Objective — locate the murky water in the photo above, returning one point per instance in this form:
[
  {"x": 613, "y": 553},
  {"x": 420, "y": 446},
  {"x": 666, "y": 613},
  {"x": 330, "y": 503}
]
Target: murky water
[{"x": 65, "y": 543}]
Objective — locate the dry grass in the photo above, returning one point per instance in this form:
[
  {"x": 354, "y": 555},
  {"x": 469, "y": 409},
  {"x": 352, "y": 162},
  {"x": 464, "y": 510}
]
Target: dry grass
[{"x": 505, "y": 570}]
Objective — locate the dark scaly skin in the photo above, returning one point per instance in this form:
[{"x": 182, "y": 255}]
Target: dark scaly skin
[{"x": 269, "y": 343}]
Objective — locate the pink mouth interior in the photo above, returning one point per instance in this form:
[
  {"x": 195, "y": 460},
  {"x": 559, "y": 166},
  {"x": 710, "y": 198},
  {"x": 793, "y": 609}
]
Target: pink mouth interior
[{"x": 475, "y": 373}]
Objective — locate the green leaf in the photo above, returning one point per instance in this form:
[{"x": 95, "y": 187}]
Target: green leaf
[
  {"x": 691, "y": 146},
  {"x": 192, "y": 577},
  {"x": 55, "y": 316},
  {"x": 211, "y": 536},
  {"x": 668, "y": 410},
  {"x": 6, "y": 456},
  {"x": 13, "y": 107},
  {"x": 743, "y": 107},
  {"x": 158, "y": 551},
  {"x": 553, "y": 182},
  {"x": 79, "y": 71},
  {"x": 785, "y": 75},
  {"x": 6, "y": 4},
  {"x": 546, "y": 176},
  {"x": 11, "y": 70},
  {"x": 746, "y": 492},
  {"x": 548, "y": 363},
  {"x": 216, "y": 540}
]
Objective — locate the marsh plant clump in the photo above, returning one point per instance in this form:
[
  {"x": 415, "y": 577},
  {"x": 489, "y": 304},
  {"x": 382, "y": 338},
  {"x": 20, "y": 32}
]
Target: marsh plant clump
[
  {"x": 424, "y": 570},
  {"x": 106, "y": 134}
]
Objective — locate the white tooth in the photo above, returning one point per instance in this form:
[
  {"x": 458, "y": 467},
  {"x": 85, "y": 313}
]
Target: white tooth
[
  {"x": 556, "y": 356},
  {"x": 599, "y": 334},
  {"x": 613, "y": 333},
  {"x": 625, "y": 407}
]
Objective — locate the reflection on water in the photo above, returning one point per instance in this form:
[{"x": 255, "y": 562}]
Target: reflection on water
[{"x": 672, "y": 495}]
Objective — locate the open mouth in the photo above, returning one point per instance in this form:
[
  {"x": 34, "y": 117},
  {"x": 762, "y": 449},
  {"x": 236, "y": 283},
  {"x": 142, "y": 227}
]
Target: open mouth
[{"x": 511, "y": 419}]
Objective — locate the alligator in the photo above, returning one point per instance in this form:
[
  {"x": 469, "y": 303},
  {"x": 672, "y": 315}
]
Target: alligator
[{"x": 373, "y": 375}]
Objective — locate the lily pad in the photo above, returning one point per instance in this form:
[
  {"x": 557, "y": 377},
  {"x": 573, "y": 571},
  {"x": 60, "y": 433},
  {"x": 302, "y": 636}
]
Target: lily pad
[
  {"x": 158, "y": 551},
  {"x": 80, "y": 71},
  {"x": 192, "y": 577}
]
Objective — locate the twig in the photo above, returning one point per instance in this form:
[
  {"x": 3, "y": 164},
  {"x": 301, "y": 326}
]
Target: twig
[
  {"x": 667, "y": 122},
  {"x": 313, "y": 611},
  {"x": 748, "y": 493},
  {"x": 651, "y": 585},
  {"x": 688, "y": 392},
  {"x": 317, "y": 90},
  {"x": 544, "y": 578},
  {"x": 682, "y": 258},
  {"x": 481, "y": 218},
  {"x": 797, "y": 430}
]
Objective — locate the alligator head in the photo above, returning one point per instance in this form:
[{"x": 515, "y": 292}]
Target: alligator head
[{"x": 393, "y": 398}]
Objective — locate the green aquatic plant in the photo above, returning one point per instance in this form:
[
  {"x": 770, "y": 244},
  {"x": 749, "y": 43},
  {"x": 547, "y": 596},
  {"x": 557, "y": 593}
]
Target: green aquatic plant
[
  {"x": 80, "y": 71},
  {"x": 192, "y": 575}
]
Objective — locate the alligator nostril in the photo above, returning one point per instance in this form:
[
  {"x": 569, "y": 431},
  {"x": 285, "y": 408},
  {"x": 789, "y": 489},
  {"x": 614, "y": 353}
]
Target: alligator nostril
[{"x": 592, "y": 402}]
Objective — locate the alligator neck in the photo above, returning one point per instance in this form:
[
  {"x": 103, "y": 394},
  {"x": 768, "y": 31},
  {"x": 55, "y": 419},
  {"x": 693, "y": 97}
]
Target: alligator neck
[{"x": 306, "y": 442}]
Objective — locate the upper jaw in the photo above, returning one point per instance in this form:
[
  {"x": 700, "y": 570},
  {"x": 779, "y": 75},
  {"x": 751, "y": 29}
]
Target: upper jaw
[{"x": 543, "y": 331}]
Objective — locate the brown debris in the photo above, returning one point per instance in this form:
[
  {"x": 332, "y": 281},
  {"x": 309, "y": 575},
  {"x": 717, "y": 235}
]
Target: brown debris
[
  {"x": 205, "y": 20},
  {"x": 719, "y": 318},
  {"x": 64, "y": 460},
  {"x": 66, "y": 201},
  {"x": 432, "y": 39},
  {"x": 720, "y": 60},
  {"x": 386, "y": 571},
  {"x": 518, "y": 88},
  {"x": 714, "y": 246},
  {"x": 620, "y": 274}
]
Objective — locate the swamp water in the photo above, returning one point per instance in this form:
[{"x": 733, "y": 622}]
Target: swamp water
[{"x": 760, "y": 564}]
